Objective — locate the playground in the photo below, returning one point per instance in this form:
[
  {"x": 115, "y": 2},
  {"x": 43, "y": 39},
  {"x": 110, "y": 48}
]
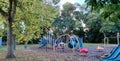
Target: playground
[
  {"x": 33, "y": 53},
  {"x": 65, "y": 48},
  {"x": 60, "y": 30}
]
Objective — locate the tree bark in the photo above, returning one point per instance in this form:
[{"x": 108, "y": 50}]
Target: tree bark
[
  {"x": 26, "y": 45},
  {"x": 9, "y": 16},
  {"x": 10, "y": 42},
  {"x": 10, "y": 49}
]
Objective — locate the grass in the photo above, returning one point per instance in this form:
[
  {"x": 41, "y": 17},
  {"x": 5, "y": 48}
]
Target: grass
[
  {"x": 2, "y": 49},
  {"x": 18, "y": 47},
  {"x": 21, "y": 47},
  {"x": 95, "y": 44}
]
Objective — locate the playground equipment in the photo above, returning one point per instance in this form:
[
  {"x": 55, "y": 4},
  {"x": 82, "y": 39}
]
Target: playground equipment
[
  {"x": 83, "y": 51},
  {"x": 61, "y": 44},
  {"x": 74, "y": 42},
  {"x": 106, "y": 38},
  {"x": 0, "y": 41},
  {"x": 114, "y": 55},
  {"x": 99, "y": 48},
  {"x": 44, "y": 41}
]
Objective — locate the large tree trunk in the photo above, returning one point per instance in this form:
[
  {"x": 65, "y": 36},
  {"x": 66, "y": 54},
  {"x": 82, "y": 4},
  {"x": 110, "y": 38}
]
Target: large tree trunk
[
  {"x": 10, "y": 42},
  {"x": 9, "y": 16},
  {"x": 10, "y": 49}
]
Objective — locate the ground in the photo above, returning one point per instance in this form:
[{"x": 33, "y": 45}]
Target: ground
[{"x": 36, "y": 54}]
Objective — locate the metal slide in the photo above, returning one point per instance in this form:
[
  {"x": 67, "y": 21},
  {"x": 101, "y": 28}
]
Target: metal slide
[{"x": 114, "y": 55}]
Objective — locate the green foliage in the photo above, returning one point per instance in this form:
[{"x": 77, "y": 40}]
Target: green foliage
[
  {"x": 69, "y": 19},
  {"x": 4, "y": 5},
  {"x": 79, "y": 15},
  {"x": 30, "y": 17},
  {"x": 108, "y": 9},
  {"x": 3, "y": 28},
  {"x": 29, "y": 22},
  {"x": 56, "y": 1},
  {"x": 94, "y": 24},
  {"x": 109, "y": 27},
  {"x": 108, "y": 12}
]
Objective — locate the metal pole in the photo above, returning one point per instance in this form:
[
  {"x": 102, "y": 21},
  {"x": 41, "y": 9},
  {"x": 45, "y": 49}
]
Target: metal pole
[
  {"x": 118, "y": 38},
  {"x": 0, "y": 41},
  {"x": 104, "y": 41}
]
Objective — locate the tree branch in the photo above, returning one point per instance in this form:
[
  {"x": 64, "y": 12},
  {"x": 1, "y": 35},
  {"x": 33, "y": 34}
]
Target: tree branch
[
  {"x": 2, "y": 2},
  {"x": 10, "y": 9},
  {"x": 3, "y": 13},
  {"x": 14, "y": 8}
]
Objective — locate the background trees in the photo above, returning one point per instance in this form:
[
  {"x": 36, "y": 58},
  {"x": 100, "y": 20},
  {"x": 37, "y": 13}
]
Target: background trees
[
  {"x": 94, "y": 24},
  {"x": 65, "y": 21},
  {"x": 69, "y": 20},
  {"x": 108, "y": 11},
  {"x": 27, "y": 22}
]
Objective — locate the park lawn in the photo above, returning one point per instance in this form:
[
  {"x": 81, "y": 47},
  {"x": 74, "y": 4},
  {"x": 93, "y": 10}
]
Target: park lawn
[
  {"x": 23, "y": 54},
  {"x": 21, "y": 47},
  {"x": 18, "y": 47},
  {"x": 2, "y": 49}
]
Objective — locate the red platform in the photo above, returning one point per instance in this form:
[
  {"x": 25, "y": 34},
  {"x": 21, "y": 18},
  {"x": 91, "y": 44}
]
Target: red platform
[{"x": 83, "y": 50}]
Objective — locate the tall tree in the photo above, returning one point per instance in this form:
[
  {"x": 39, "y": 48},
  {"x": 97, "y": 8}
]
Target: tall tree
[
  {"x": 109, "y": 13},
  {"x": 30, "y": 22},
  {"x": 8, "y": 10},
  {"x": 65, "y": 21},
  {"x": 31, "y": 16}
]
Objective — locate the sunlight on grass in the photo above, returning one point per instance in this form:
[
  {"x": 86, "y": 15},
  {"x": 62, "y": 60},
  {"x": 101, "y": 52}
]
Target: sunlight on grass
[
  {"x": 95, "y": 44},
  {"x": 21, "y": 47},
  {"x": 2, "y": 49},
  {"x": 18, "y": 47}
]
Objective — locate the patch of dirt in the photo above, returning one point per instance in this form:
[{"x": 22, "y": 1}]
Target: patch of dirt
[{"x": 37, "y": 54}]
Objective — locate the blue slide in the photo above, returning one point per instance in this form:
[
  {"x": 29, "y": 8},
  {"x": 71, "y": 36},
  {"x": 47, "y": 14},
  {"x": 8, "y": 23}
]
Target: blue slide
[
  {"x": 114, "y": 55},
  {"x": 117, "y": 58}
]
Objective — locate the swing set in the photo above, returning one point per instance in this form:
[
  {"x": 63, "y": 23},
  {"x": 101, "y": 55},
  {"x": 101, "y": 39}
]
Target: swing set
[{"x": 106, "y": 39}]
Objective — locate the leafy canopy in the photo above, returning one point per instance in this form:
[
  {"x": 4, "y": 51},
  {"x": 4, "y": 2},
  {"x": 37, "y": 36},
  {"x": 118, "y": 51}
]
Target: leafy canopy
[{"x": 30, "y": 17}]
